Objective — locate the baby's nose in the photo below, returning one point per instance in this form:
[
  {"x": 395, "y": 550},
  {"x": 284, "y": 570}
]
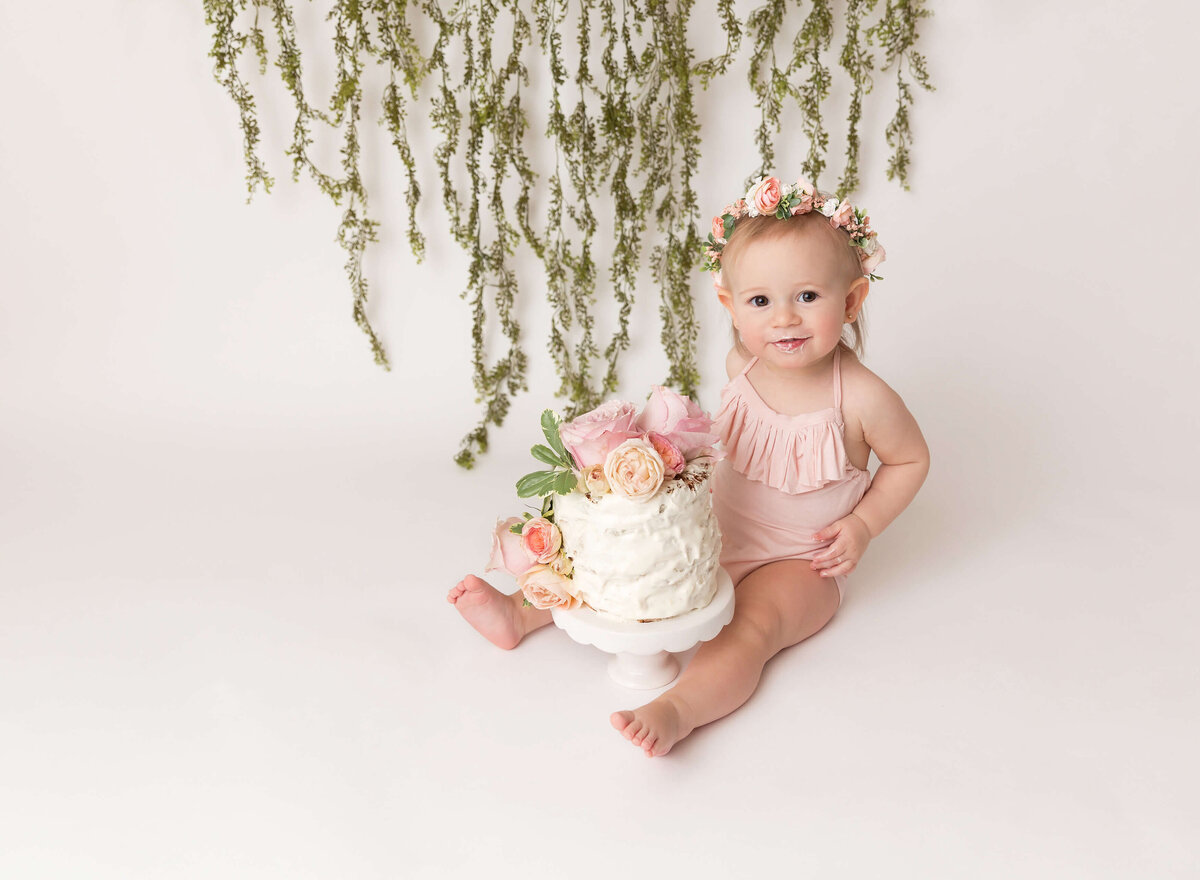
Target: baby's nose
[{"x": 786, "y": 317}]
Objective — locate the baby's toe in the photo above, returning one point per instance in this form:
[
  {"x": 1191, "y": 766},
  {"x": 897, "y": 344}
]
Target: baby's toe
[{"x": 620, "y": 720}]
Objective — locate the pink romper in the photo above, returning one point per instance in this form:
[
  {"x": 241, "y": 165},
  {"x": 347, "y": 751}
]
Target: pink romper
[{"x": 782, "y": 479}]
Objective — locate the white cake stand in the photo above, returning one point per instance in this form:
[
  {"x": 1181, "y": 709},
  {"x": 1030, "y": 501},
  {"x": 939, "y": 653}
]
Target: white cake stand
[{"x": 642, "y": 651}]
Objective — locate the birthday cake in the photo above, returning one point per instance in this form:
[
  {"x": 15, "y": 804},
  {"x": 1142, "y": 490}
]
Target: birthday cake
[
  {"x": 626, "y": 525},
  {"x": 644, "y": 560}
]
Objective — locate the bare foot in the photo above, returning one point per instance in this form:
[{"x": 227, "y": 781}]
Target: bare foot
[
  {"x": 492, "y": 613},
  {"x": 655, "y": 727}
]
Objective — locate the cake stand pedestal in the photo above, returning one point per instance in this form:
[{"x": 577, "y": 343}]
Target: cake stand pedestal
[{"x": 642, "y": 651}]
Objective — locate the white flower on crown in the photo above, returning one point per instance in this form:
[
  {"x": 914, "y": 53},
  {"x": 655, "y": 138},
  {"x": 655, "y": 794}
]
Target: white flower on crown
[
  {"x": 830, "y": 207},
  {"x": 869, "y": 245},
  {"x": 749, "y": 198}
]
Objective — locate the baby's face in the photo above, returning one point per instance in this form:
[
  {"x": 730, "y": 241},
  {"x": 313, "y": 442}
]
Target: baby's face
[{"x": 789, "y": 296}]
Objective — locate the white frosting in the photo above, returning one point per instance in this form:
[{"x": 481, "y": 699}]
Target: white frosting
[{"x": 644, "y": 560}]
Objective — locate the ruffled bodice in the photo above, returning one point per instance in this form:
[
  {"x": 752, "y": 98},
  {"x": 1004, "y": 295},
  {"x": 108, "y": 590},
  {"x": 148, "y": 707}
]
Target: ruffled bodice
[{"x": 792, "y": 453}]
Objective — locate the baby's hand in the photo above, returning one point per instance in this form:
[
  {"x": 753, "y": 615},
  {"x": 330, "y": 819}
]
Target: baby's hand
[{"x": 850, "y": 539}]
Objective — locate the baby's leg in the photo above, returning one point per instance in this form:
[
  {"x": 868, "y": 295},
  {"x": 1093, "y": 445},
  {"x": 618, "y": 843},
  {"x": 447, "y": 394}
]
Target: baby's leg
[
  {"x": 502, "y": 620},
  {"x": 777, "y": 606}
]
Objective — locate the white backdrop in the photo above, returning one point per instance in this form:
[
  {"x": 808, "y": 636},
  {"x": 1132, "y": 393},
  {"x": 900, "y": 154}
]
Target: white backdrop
[{"x": 226, "y": 535}]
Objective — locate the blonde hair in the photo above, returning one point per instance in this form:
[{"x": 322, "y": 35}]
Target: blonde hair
[{"x": 749, "y": 229}]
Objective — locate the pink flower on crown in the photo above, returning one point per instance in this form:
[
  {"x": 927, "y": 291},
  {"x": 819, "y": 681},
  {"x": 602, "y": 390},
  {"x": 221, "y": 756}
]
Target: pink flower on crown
[
  {"x": 680, "y": 420},
  {"x": 592, "y": 436},
  {"x": 718, "y": 230},
  {"x": 804, "y": 206},
  {"x": 764, "y": 196},
  {"x": 874, "y": 258},
  {"x": 843, "y": 216}
]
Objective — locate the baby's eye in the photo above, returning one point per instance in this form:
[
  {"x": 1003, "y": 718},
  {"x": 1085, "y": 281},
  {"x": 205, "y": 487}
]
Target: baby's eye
[
  {"x": 808, "y": 296},
  {"x": 758, "y": 301}
]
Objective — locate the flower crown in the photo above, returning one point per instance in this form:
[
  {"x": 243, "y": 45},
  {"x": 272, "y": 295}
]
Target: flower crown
[{"x": 768, "y": 196}]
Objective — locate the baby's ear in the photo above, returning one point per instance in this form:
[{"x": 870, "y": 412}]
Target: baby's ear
[
  {"x": 859, "y": 288},
  {"x": 723, "y": 293}
]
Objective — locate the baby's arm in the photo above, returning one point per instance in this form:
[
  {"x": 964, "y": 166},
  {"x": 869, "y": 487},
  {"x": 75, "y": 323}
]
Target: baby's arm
[{"x": 893, "y": 435}]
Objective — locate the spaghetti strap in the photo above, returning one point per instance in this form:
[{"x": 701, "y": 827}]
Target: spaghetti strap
[
  {"x": 837, "y": 378},
  {"x": 750, "y": 363}
]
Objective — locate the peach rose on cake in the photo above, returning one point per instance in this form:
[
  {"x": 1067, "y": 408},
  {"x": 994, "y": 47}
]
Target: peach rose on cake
[
  {"x": 634, "y": 470},
  {"x": 680, "y": 420},
  {"x": 508, "y": 549},
  {"x": 592, "y": 436},
  {"x": 592, "y": 481},
  {"x": 562, "y": 564},
  {"x": 546, "y": 588},
  {"x": 542, "y": 539}
]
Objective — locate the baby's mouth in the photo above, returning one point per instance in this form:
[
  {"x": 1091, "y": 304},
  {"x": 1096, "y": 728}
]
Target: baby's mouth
[{"x": 792, "y": 343}]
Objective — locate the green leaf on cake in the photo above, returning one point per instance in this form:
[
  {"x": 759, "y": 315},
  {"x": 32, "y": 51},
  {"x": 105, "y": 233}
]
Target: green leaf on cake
[
  {"x": 565, "y": 483},
  {"x": 546, "y": 455},
  {"x": 550, "y": 426},
  {"x": 538, "y": 483}
]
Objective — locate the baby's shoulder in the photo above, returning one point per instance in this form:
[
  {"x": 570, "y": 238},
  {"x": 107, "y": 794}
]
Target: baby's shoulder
[
  {"x": 864, "y": 393},
  {"x": 735, "y": 362}
]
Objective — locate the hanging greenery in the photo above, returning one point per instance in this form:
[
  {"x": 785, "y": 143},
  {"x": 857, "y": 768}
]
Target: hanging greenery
[{"x": 622, "y": 128}]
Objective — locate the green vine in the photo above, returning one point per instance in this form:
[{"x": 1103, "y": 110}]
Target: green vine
[
  {"x": 897, "y": 33},
  {"x": 227, "y": 46},
  {"x": 670, "y": 132},
  {"x": 858, "y": 63},
  {"x": 623, "y": 128},
  {"x": 812, "y": 41}
]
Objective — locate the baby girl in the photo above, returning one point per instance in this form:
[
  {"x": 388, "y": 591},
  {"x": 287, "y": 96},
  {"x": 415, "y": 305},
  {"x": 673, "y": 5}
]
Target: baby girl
[{"x": 799, "y": 419}]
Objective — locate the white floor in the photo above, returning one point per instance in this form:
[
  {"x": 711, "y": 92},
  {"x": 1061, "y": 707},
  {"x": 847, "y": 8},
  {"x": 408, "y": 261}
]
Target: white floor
[
  {"x": 245, "y": 666},
  {"x": 226, "y": 537}
]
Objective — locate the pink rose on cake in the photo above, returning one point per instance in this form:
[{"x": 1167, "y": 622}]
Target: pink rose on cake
[
  {"x": 542, "y": 539},
  {"x": 508, "y": 549},
  {"x": 673, "y": 460},
  {"x": 545, "y": 588},
  {"x": 592, "y": 436},
  {"x": 634, "y": 470},
  {"x": 680, "y": 420}
]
